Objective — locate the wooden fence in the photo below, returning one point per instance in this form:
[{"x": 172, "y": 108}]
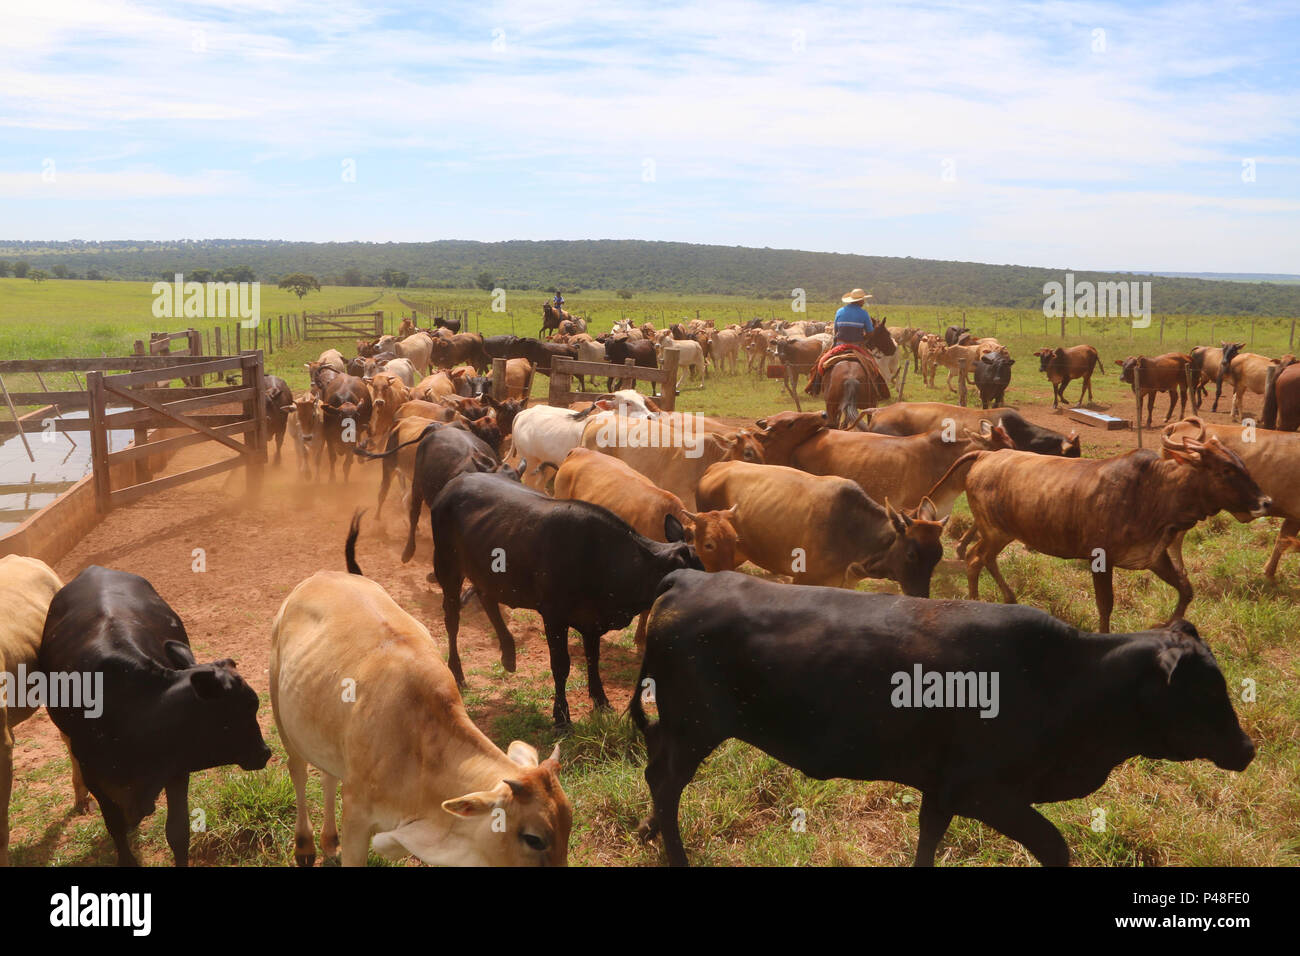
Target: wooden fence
[
  {"x": 628, "y": 374},
  {"x": 154, "y": 407},
  {"x": 343, "y": 325}
]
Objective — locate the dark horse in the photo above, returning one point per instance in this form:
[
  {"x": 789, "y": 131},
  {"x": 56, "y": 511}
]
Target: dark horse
[
  {"x": 849, "y": 387},
  {"x": 551, "y": 318}
]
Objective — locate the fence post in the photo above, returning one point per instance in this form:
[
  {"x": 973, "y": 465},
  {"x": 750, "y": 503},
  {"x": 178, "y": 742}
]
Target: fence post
[
  {"x": 499, "y": 380},
  {"x": 561, "y": 386},
  {"x": 623, "y": 382},
  {"x": 668, "y": 389},
  {"x": 216, "y": 340},
  {"x": 99, "y": 441},
  {"x": 251, "y": 376},
  {"x": 239, "y": 339},
  {"x": 1137, "y": 390}
]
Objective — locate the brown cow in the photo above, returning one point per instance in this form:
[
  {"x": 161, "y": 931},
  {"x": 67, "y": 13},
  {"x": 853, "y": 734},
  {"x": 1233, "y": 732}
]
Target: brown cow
[
  {"x": 917, "y": 418},
  {"x": 901, "y": 470},
  {"x": 1123, "y": 512},
  {"x": 1062, "y": 366},
  {"x": 616, "y": 486},
  {"x": 823, "y": 530},
  {"x": 465, "y": 348},
  {"x": 519, "y": 378},
  {"x": 1282, "y": 397},
  {"x": 782, "y": 433},
  {"x": 1164, "y": 373},
  {"x": 345, "y": 409},
  {"x": 1273, "y": 460},
  {"x": 1205, "y": 369}
]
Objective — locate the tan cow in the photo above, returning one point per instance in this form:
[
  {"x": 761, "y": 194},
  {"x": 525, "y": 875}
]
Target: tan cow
[
  {"x": 306, "y": 429},
  {"x": 724, "y": 349},
  {"x": 614, "y": 485},
  {"x": 673, "y": 453},
  {"x": 958, "y": 360},
  {"x": 27, "y": 586},
  {"x": 387, "y": 395},
  {"x": 928, "y": 351},
  {"x": 901, "y": 470},
  {"x": 823, "y": 530},
  {"x": 417, "y": 348},
  {"x": 360, "y": 691},
  {"x": 1248, "y": 372},
  {"x": 519, "y": 377}
]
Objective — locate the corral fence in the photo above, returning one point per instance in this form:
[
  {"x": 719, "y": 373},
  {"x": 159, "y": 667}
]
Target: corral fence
[
  {"x": 563, "y": 369},
  {"x": 342, "y": 325},
  {"x": 160, "y": 343},
  {"x": 143, "y": 385}
]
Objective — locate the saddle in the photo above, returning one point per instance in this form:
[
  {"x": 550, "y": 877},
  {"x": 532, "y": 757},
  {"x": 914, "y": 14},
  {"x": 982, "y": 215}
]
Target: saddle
[{"x": 844, "y": 352}]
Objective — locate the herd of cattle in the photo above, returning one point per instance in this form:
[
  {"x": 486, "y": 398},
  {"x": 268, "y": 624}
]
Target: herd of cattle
[{"x": 611, "y": 510}]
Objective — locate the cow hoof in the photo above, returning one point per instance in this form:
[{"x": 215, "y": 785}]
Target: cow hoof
[
  {"x": 305, "y": 859},
  {"x": 508, "y": 661},
  {"x": 647, "y": 829}
]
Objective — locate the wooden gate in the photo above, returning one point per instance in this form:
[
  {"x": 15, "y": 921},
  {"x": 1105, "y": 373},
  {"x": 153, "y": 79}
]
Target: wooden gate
[
  {"x": 563, "y": 370},
  {"x": 345, "y": 325},
  {"x": 171, "y": 408}
]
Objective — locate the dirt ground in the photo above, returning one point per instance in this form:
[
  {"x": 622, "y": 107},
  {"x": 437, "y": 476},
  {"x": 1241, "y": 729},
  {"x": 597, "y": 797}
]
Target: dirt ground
[{"x": 256, "y": 551}]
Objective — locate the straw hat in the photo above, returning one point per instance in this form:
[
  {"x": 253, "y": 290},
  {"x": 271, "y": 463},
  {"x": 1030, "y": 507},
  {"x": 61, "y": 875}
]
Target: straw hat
[{"x": 857, "y": 295}]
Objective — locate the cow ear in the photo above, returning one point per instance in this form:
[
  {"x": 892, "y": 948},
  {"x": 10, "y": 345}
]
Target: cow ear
[
  {"x": 178, "y": 655},
  {"x": 899, "y": 521},
  {"x": 1168, "y": 659},
  {"x": 673, "y": 530},
  {"x": 927, "y": 510},
  {"x": 525, "y": 755},
  {"x": 473, "y": 804}
]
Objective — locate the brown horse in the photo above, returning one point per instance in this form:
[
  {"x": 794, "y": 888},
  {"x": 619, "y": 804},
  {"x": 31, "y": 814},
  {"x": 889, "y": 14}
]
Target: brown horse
[
  {"x": 551, "y": 318},
  {"x": 850, "y": 388}
]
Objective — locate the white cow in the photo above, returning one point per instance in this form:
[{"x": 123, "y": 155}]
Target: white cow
[
  {"x": 690, "y": 356},
  {"x": 545, "y": 433}
]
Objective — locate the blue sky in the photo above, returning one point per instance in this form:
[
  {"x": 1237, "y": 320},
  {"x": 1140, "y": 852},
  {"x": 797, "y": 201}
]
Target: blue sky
[{"x": 1080, "y": 135}]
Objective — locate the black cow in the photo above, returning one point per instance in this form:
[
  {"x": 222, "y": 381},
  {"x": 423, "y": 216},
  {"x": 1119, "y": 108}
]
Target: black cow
[
  {"x": 957, "y": 335},
  {"x": 992, "y": 376},
  {"x": 540, "y": 353},
  {"x": 821, "y": 679},
  {"x": 503, "y": 346},
  {"x": 1026, "y": 435},
  {"x": 576, "y": 564},
  {"x": 619, "y": 349},
  {"x": 279, "y": 404},
  {"x": 164, "y": 716},
  {"x": 451, "y": 325}
]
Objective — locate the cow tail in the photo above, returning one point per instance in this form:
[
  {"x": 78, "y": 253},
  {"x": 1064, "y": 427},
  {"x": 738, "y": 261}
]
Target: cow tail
[
  {"x": 350, "y": 549},
  {"x": 394, "y": 450},
  {"x": 1097, "y": 364}
]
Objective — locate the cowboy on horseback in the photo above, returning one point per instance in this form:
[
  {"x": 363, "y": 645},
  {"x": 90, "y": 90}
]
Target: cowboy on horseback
[
  {"x": 559, "y": 301},
  {"x": 852, "y": 326}
]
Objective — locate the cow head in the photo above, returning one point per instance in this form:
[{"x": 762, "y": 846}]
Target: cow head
[
  {"x": 304, "y": 412},
  {"x": 783, "y": 432},
  {"x": 529, "y": 802},
  {"x": 1219, "y": 480},
  {"x": 1184, "y": 709},
  {"x": 713, "y": 535},
  {"x": 677, "y": 552},
  {"x": 215, "y": 710},
  {"x": 990, "y": 437},
  {"x": 1070, "y": 446},
  {"x": 917, "y": 548},
  {"x": 742, "y": 446},
  {"x": 1128, "y": 365},
  {"x": 1045, "y": 356}
]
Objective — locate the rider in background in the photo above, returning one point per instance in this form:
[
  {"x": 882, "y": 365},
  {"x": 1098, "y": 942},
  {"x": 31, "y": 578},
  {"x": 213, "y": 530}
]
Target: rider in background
[
  {"x": 559, "y": 300},
  {"x": 852, "y": 323}
]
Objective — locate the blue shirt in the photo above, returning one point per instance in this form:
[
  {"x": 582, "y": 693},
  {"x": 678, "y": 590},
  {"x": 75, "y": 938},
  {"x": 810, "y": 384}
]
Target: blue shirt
[{"x": 854, "y": 315}]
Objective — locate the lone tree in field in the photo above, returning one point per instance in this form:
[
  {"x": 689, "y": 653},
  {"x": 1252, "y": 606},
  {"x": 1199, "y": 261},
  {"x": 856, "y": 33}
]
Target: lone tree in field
[
  {"x": 485, "y": 281},
  {"x": 38, "y": 275},
  {"x": 623, "y": 294},
  {"x": 300, "y": 283}
]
